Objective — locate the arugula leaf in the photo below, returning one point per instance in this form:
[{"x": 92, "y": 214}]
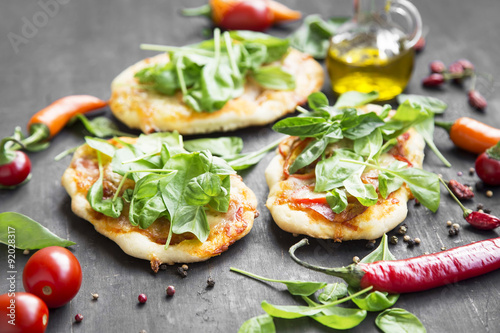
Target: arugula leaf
[
  {"x": 430, "y": 104},
  {"x": 399, "y": 320},
  {"x": 313, "y": 37},
  {"x": 368, "y": 146},
  {"x": 313, "y": 150},
  {"x": 101, "y": 127},
  {"x": 365, "y": 193},
  {"x": 274, "y": 77},
  {"x": 337, "y": 200},
  {"x": 29, "y": 234},
  {"x": 101, "y": 145},
  {"x": 388, "y": 183},
  {"x": 298, "y": 288},
  {"x": 331, "y": 172},
  {"x": 426, "y": 129},
  {"x": 244, "y": 161},
  {"x": 259, "y": 324},
  {"x": 223, "y": 146},
  {"x": 332, "y": 292},
  {"x": 355, "y": 98},
  {"x": 108, "y": 207}
]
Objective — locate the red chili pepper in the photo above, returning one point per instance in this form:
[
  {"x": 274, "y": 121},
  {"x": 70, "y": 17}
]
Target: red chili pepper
[
  {"x": 478, "y": 220},
  {"x": 418, "y": 273}
]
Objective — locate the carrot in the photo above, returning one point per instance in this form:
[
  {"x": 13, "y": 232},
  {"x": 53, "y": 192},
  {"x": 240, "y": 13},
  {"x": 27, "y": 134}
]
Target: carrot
[
  {"x": 56, "y": 115},
  {"x": 471, "y": 135}
]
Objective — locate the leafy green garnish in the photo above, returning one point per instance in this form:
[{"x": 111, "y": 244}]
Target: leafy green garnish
[
  {"x": 101, "y": 127},
  {"x": 25, "y": 233},
  {"x": 212, "y": 72},
  {"x": 399, "y": 320},
  {"x": 365, "y": 137},
  {"x": 260, "y": 324}
]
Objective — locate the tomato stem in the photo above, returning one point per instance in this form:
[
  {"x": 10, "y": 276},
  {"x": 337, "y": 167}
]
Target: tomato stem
[{"x": 8, "y": 155}]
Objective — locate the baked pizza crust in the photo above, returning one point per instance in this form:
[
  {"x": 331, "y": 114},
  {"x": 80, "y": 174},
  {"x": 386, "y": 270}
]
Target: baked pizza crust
[
  {"x": 370, "y": 224},
  {"x": 151, "y": 111},
  {"x": 149, "y": 244}
]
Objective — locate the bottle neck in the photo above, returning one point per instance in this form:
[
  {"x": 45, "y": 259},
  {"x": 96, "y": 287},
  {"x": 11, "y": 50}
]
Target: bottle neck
[{"x": 366, "y": 10}]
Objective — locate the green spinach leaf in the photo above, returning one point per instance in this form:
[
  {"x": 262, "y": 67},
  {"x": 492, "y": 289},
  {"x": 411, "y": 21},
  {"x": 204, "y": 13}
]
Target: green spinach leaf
[
  {"x": 399, "y": 320},
  {"x": 337, "y": 200},
  {"x": 332, "y": 292},
  {"x": 259, "y": 324}
]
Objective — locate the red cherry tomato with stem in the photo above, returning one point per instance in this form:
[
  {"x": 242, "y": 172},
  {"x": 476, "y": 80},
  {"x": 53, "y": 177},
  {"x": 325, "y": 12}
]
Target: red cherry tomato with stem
[
  {"x": 488, "y": 165},
  {"x": 53, "y": 274},
  {"x": 248, "y": 15},
  {"x": 22, "y": 313}
]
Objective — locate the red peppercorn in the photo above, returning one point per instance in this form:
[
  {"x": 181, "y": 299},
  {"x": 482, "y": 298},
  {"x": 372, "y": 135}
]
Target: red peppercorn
[
  {"x": 466, "y": 64},
  {"x": 456, "y": 68},
  {"x": 476, "y": 100},
  {"x": 78, "y": 317},
  {"x": 142, "y": 298},
  {"x": 170, "y": 291},
  {"x": 437, "y": 66},
  {"x": 433, "y": 80}
]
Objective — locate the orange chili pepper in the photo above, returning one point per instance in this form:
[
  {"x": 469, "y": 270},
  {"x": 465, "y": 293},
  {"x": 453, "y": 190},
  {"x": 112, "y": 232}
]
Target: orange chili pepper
[
  {"x": 471, "y": 135},
  {"x": 55, "y": 116}
]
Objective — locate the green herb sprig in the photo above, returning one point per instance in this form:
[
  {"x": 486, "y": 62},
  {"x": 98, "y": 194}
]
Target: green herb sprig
[
  {"x": 365, "y": 136},
  {"x": 212, "y": 72}
]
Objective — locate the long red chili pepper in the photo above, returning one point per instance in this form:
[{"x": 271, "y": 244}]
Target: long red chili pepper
[{"x": 418, "y": 273}]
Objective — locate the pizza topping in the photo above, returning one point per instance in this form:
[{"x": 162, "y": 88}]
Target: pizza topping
[
  {"x": 170, "y": 291},
  {"x": 142, "y": 298},
  {"x": 211, "y": 73},
  {"x": 344, "y": 150}
]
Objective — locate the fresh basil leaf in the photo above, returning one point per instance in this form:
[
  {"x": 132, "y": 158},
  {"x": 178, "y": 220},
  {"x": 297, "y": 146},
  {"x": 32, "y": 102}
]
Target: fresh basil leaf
[
  {"x": 274, "y": 77},
  {"x": 431, "y": 104},
  {"x": 426, "y": 129},
  {"x": 337, "y": 200},
  {"x": 317, "y": 101},
  {"x": 374, "y": 301},
  {"x": 259, "y": 324},
  {"x": 369, "y": 145},
  {"x": 424, "y": 186},
  {"x": 221, "y": 202},
  {"x": 399, "y": 320},
  {"x": 101, "y": 145},
  {"x": 332, "y": 292},
  {"x": 201, "y": 189},
  {"x": 25, "y": 233},
  {"x": 331, "y": 172},
  {"x": 355, "y": 98},
  {"x": 313, "y": 150},
  {"x": 340, "y": 318},
  {"x": 362, "y": 126},
  {"x": 101, "y": 127},
  {"x": 380, "y": 253},
  {"x": 365, "y": 193},
  {"x": 191, "y": 219},
  {"x": 388, "y": 183},
  {"x": 298, "y": 288},
  {"x": 224, "y": 146},
  {"x": 302, "y": 126},
  {"x": 313, "y": 37}
]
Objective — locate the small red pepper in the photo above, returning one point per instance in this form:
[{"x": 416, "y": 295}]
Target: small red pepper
[
  {"x": 418, "y": 273},
  {"x": 15, "y": 166},
  {"x": 461, "y": 191},
  {"x": 478, "y": 220}
]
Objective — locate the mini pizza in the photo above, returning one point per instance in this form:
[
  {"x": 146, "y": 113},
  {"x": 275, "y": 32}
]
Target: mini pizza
[
  {"x": 297, "y": 206},
  {"x": 91, "y": 182},
  {"x": 261, "y": 93}
]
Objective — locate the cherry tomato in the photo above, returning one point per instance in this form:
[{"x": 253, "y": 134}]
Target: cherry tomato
[
  {"x": 248, "y": 15},
  {"x": 488, "y": 169},
  {"x": 16, "y": 171},
  {"x": 22, "y": 313},
  {"x": 53, "y": 274}
]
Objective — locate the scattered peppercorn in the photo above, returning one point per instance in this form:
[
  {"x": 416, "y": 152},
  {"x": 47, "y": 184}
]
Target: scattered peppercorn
[
  {"x": 143, "y": 331},
  {"x": 476, "y": 100},
  {"x": 26, "y": 252},
  {"x": 79, "y": 318},
  {"x": 480, "y": 186},
  {"x": 210, "y": 282},
  {"x": 95, "y": 296},
  {"x": 163, "y": 267},
  {"x": 393, "y": 240},
  {"x": 443, "y": 248},
  {"x": 460, "y": 174},
  {"x": 434, "y": 80},
  {"x": 355, "y": 259},
  {"x": 487, "y": 211},
  {"x": 406, "y": 238},
  {"x": 455, "y": 226},
  {"x": 452, "y": 231},
  {"x": 437, "y": 66},
  {"x": 472, "y": 171},
  {"x": 170, "y": 291},
  {"x": 461, "y": 191},
  {"x": 182, "y": 272},
  {"x": 448, "y": 223},
  {"x": 489, "y": 194},
  {"x": 480, "y": 206},
  {"x": 185, "y": 267},
  {"x": 426, "y": 253},
  {"x": 417, "y": 203},
  {"x": 411, "y": 242},
  {"x": 480, "y": 211},
  {"x": 402, "y": 230},
  {"x": 417, "y": 241},
  {"x": 142, "y": 298},
  {"x": 370, "y": 245}
]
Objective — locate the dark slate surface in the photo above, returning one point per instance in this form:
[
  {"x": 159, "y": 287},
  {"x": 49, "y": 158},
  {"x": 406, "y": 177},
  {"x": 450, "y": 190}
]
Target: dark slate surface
[{"x": 83, "y": 45}]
